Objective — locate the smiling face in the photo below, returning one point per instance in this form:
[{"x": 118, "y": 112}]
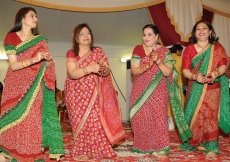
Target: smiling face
[
  {"x": 30, "y": 20},
  {"x": 202, "y": 32},
  {"x": 84, "y": 37},
  {"x": 149, "y": 37}
]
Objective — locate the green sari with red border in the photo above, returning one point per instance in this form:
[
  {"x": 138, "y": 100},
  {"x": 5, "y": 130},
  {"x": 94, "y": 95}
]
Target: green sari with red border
[{"x": 207, "y": 103}]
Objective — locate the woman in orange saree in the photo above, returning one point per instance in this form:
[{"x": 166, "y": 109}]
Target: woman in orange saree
[
  {"x": 91, "y": 99},
  {"x": 207, "y": 99},
  {"x": 28, "y": 120}
]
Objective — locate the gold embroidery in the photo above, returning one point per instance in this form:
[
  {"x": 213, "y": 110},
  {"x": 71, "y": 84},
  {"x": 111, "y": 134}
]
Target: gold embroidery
[{"x": 27, "y": 109}]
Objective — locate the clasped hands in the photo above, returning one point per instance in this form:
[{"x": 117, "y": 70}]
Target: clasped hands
[
  {"x": 47, "y": 55},
  {"x": 201, "y": 78},
  {"x": 154, "y": 58},
  {"x": 99, "y": 67}
]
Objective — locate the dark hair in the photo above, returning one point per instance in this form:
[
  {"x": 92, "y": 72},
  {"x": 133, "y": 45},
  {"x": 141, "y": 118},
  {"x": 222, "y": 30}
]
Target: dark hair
[
  {"x": 18, "y": 18},
  {"x": 211, "y": 39},
  {"x": 154, "y": 28},
  {"x": 176, "y": 47},
  {"x": 76, "y": 33},
  {"x": 1, "y": 86}
]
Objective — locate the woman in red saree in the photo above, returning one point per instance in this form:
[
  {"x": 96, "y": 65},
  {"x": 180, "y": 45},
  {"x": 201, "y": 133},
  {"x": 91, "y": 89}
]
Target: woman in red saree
[
  {"x": 91, "y": 99},
  {"x": 205, "y": 64},
  {"x": 28, "y": 120},
  {"x": 154, "y": 81}
]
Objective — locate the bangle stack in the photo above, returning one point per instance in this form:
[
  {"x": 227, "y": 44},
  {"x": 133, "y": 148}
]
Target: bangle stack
[
  {"x": 24, "y": 64},
  {"x": 86, "y": 71},
  {"x": 217, "y": 73}
]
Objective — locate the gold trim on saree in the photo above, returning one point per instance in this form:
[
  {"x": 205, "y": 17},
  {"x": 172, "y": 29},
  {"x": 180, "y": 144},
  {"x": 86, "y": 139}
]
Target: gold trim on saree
[{"x": 205, "y": 86}]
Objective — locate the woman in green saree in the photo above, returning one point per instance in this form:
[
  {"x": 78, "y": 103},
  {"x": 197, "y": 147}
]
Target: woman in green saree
[
  {"x": 207, "y": 100},
  {"x": 28, "y": 119}
]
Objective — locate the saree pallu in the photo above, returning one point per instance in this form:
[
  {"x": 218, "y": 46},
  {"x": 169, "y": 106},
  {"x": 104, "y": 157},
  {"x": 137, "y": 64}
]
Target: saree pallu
[
  {"x": 93, "y": 110},
  {"x": 148, "y": 106},
  {"x": 29, "y": 120},
  {"x": 207, "y": 105}
]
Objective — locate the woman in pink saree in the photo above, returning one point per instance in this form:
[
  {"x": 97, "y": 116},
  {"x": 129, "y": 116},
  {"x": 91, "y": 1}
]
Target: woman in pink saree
[{"x": 91, "y": 99}]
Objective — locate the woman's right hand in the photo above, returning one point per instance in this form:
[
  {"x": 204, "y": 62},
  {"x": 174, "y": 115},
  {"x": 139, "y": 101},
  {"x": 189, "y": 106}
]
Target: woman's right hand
[
  {"x": 154, "y": 56},
  {"x": 201, "y": 78},
  {"x": 94, "y": 68},
  {"x": 39, "y": 57}
]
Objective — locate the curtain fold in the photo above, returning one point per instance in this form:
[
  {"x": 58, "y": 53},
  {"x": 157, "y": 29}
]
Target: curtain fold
[
  {"x": 183, "y": 15},
  {"x": 221, "y": 26},
  {"x": 160, "y": 18}
]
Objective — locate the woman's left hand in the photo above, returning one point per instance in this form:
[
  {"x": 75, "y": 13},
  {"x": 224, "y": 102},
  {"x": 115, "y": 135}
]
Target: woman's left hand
[
  {"x": 210, "y": 78},
  {"x": 154, "y": 56},
  {"x": 103, "y": 69},
  {"x": 48, "y": 55}
]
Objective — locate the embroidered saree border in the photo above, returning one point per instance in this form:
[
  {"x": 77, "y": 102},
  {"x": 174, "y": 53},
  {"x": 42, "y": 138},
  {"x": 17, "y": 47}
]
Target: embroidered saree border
[
  {"x": 197, "y": 91},
  {"x": 176, "y": 104},
  {"x": 51, "y": 129},
  {"x": 10, "y": 49},
  {"x": 20, "y": 111},
  {"x": 84, "y": 118},
  {"x": 144, "y": 96}
]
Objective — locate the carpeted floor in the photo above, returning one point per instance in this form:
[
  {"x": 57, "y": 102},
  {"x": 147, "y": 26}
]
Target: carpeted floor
[{"x": 125, "y": 155}]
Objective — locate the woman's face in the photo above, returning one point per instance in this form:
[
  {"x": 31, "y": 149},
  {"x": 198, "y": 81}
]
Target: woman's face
[
  {"x": 202, "y": 32},
  {"x": 30, "y": 19},
  {"x": 84, "y": 37},
  {"x": 149, "y": 37}
]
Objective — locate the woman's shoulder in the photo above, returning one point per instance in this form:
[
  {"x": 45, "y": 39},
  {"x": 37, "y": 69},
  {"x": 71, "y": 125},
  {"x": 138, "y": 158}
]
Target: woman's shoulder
[
  {"x": 139, "y": 46},
  {"x": 218, "y": 45},
  {"x": 70, "y": 53},
  {"x": 10, "y": 36}
]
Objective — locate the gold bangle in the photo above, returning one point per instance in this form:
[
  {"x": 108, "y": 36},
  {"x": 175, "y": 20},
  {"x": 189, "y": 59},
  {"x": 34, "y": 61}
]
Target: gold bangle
[
  {"x": 86, "y": 71},
  {"x": 217, "y": 72},
  {"x": 24, "y": 64}
]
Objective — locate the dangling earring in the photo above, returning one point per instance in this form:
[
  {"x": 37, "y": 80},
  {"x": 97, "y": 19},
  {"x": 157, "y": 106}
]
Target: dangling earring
[{"x": 210, "y": 36}]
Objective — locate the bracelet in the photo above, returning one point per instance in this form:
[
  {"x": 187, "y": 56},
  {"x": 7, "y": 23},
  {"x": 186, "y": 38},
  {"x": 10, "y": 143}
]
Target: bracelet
[
  {"x": 217, "y": 73},
  {"x": 86, "y": 71},
  {"x": 24, "y": 64}
]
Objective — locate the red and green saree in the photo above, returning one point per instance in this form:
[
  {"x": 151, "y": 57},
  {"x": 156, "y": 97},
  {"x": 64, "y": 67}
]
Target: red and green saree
[
  {"x": 148, "y": 105},
  {"x": 93, "y": 110},
  {"x": 28, "y": 120},
  {"x": 207, "y": 105}
]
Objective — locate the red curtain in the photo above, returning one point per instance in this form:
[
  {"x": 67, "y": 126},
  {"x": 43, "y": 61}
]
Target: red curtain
[
  {"x": 168, "y": 34},
  {"x": 207, "y": 16},
  {"x": 160, "y": 18}
]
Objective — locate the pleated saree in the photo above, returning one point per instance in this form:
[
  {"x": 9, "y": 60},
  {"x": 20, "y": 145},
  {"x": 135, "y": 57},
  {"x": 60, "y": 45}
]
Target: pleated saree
[{"x": 29, "y": 121}]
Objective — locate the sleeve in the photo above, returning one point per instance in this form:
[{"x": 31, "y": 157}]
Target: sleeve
[
  {"x": 224, "y": 60},
  {"x": 135, "y": 59},
  {"x": 186, "y": 59},
  {"x": 9, "y": 45},
  {"x": 70, "y": 56}
]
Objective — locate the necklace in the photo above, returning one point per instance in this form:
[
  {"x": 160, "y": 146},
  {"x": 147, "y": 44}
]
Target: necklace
[
  {"x": 27, "y": 36},
  {"x": 202, "y": 47}
]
